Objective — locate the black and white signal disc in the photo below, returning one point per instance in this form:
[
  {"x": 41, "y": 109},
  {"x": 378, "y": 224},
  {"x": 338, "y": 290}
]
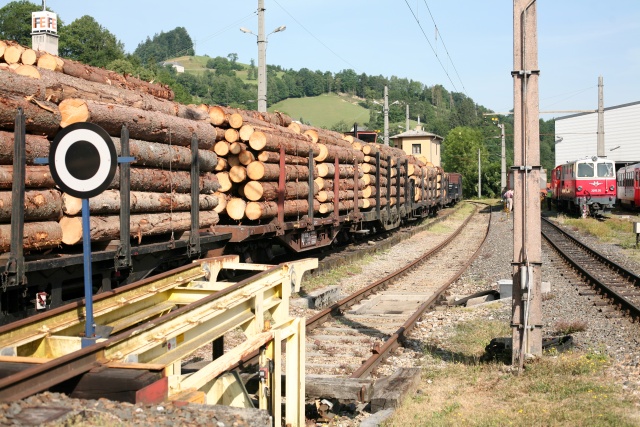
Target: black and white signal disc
[{"x": 83, "y": 160}]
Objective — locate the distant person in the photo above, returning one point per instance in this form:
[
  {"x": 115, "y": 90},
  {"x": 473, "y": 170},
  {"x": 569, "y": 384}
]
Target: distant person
[
  {"x": 508, "y": 196},
  {"x": 549, "y": 197}
]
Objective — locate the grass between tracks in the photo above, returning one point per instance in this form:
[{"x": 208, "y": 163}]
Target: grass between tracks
[
  {"x": 460, "y": 388},
  {"x": 616, "y": 230}
]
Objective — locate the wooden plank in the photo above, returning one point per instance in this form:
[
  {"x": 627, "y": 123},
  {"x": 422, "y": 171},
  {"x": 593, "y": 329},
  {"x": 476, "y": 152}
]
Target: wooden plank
[{"x": 389, "y": 392}]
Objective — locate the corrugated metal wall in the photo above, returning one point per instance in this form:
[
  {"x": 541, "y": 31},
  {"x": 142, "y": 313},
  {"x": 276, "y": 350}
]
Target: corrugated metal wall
[{"x": 621, "y": 135}]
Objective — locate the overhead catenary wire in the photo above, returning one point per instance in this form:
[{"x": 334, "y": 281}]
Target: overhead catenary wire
[
  {"x": 438, "y": 33},
  {"x": 431, "y": 46},
  {"x": 316, "y": 38}
]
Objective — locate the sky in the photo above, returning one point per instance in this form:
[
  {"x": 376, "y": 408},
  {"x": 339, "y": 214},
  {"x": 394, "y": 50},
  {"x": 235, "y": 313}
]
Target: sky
[{"x": 464, "y": 45}]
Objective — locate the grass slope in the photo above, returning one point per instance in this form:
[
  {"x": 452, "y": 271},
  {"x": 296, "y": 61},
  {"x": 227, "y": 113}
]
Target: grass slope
[
  {"x": 324, "y": 110},
  {"x": 321, "y": 111}
]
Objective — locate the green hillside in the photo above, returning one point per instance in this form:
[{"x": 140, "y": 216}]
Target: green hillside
[{"x": 323, "y": 111}]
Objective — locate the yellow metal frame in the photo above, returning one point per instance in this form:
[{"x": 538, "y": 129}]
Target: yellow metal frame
[{"x": 160, "y": 323}]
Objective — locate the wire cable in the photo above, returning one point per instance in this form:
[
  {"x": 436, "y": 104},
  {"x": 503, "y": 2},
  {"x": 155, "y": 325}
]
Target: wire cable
[
  {"x": 317, "y": 39},
  {"x": 445, "y": 47},
  {"x": 431, "y": 46}
]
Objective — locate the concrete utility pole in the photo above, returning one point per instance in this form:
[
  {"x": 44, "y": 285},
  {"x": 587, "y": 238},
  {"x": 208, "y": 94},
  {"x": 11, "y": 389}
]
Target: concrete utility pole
[
  {"x": 479, "y": 176},
  {"x": 386, "y": 116},
  {"x": 503, "y": 161},
  {"x": 262, "y": 60},
  {"x": 407, "y": 118},
  {"x": 526, "y": 321},
  {"x": 262, "y": 56},
  {"x": 600, "y": 118}
]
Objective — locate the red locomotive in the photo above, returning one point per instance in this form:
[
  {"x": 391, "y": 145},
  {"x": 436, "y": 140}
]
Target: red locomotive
[{"x": 586, "y": 186}]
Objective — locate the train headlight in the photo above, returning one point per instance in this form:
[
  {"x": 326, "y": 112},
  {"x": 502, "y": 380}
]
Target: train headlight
[
  {"x": 579, "y": 187},
  {"x": 611, "y": 188}
]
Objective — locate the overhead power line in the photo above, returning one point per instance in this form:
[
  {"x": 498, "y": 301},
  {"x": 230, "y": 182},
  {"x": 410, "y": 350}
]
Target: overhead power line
[
  {"x": 317, "y": 39},
  {"x": 445, "y": 47},
  {"x": 431, "y": 46}
]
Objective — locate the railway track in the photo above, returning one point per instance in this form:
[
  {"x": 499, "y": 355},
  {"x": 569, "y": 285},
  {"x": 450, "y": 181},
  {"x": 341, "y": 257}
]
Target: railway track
[
  {"x": 356, "y": 334},
  {"x": 617, "y": 286}
]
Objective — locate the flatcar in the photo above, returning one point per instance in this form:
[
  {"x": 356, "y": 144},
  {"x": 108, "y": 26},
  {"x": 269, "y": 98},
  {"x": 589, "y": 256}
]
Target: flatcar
[
  {"x": 585, "y": 186},
  {"x": 35, "y": 279},
  {"x": 628, "y": 182}
]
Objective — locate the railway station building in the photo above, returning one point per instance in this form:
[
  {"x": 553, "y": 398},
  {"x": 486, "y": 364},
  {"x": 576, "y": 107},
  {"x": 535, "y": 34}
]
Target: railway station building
[
  {"x": 420, "y": 143},
  {"x": 577, "y": 135}
]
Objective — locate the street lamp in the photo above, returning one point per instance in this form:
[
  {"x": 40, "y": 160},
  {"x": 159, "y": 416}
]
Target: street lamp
[{"x": 262, "y": 56}]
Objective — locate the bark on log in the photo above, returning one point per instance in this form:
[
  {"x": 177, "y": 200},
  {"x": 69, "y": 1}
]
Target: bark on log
[
  {"x": 144, "y": 125},
  {"x": 108, "y": 202},
  {"x": 108, "y": 227},
  {"x": 35, "y": 147},
  {"x": 164, "y": 181},
  {"x": 42, "y": 117},
  {"x": 344, "y": 205},
  {"x": 343, "y": 184},
  {"x": 272, "y": 142},
  {"x": 259, "y": 171},
  {"x": 100, "y": 75},
  {"x": 329, "y": 153},
  {"x": 58, "y": 87},
  {"x": 221, "y": 116},
  {"x": 35, "y": 177},
  {"x": 344, "y": 171},
  {"x": 274, "y": 157},
  {"x": 327, "y": 196},
  {"x": 267, "y": 191},
  {"x": 37, "y": 235},
  {"x": 267, "y": 210},
  {"x": 39, "y": 205},
  {"x": 157, "y": 155}
]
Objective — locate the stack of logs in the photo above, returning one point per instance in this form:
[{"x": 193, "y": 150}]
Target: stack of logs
[{"x": 239, "y": 154}]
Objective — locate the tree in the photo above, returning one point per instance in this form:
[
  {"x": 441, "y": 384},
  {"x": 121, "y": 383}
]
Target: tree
[
  {"x": 15, "y": 21},
  {"x": 252, "y": 74},
  {"x": 87, "y": 41},
  {"x": 163, "y": 46},
  {"x": 460, "y": 154}
]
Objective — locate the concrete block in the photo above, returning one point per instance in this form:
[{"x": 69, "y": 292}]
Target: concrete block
[
  {"x": 545, "y": 287},
  {"x": 320, "y": 298},
  {"x": 505, "y": 288},
  {"x": 481, "y": 300}
]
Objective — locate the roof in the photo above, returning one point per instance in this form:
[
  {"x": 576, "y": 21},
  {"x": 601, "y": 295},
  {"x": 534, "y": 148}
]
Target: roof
[
  {"x": 416, "y": 134},
  {"x": 595, "y": 111}
]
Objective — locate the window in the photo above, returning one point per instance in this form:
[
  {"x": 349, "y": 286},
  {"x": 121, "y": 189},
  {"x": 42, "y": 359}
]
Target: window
[
  {"x": 585, "y": 170},
  {"x": 605, "y": 170},
  {"x": 416, "y": 149}
]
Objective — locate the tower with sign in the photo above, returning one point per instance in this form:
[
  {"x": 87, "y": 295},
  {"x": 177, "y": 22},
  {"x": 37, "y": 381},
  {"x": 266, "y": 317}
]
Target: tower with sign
[{"x": 44, "y": 30}]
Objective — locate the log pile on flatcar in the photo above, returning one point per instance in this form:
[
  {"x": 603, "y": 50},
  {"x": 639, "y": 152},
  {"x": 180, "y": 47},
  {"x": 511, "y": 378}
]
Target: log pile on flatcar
[{"x": 205, "y": 180}]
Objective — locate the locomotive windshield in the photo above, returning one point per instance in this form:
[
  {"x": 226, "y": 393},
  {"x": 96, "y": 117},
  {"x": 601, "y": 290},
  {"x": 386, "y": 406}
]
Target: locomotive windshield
[
  {"x": 587, "y": 170},
  {"x": 605, "y": 170}
]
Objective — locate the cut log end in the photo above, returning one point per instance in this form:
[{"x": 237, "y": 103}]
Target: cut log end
[
  {"x": 71, "y": 230},
  {"x": 73, "y": 111},
  {"x": 236, "y": 208},
  {"x": 258, "y": 140}
]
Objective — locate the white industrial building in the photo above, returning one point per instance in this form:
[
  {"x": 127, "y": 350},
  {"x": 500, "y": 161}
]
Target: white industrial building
[{"x": 577, "y": 137}]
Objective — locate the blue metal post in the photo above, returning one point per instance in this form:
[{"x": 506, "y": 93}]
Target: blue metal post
[{"x": 89, "y": 327}]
